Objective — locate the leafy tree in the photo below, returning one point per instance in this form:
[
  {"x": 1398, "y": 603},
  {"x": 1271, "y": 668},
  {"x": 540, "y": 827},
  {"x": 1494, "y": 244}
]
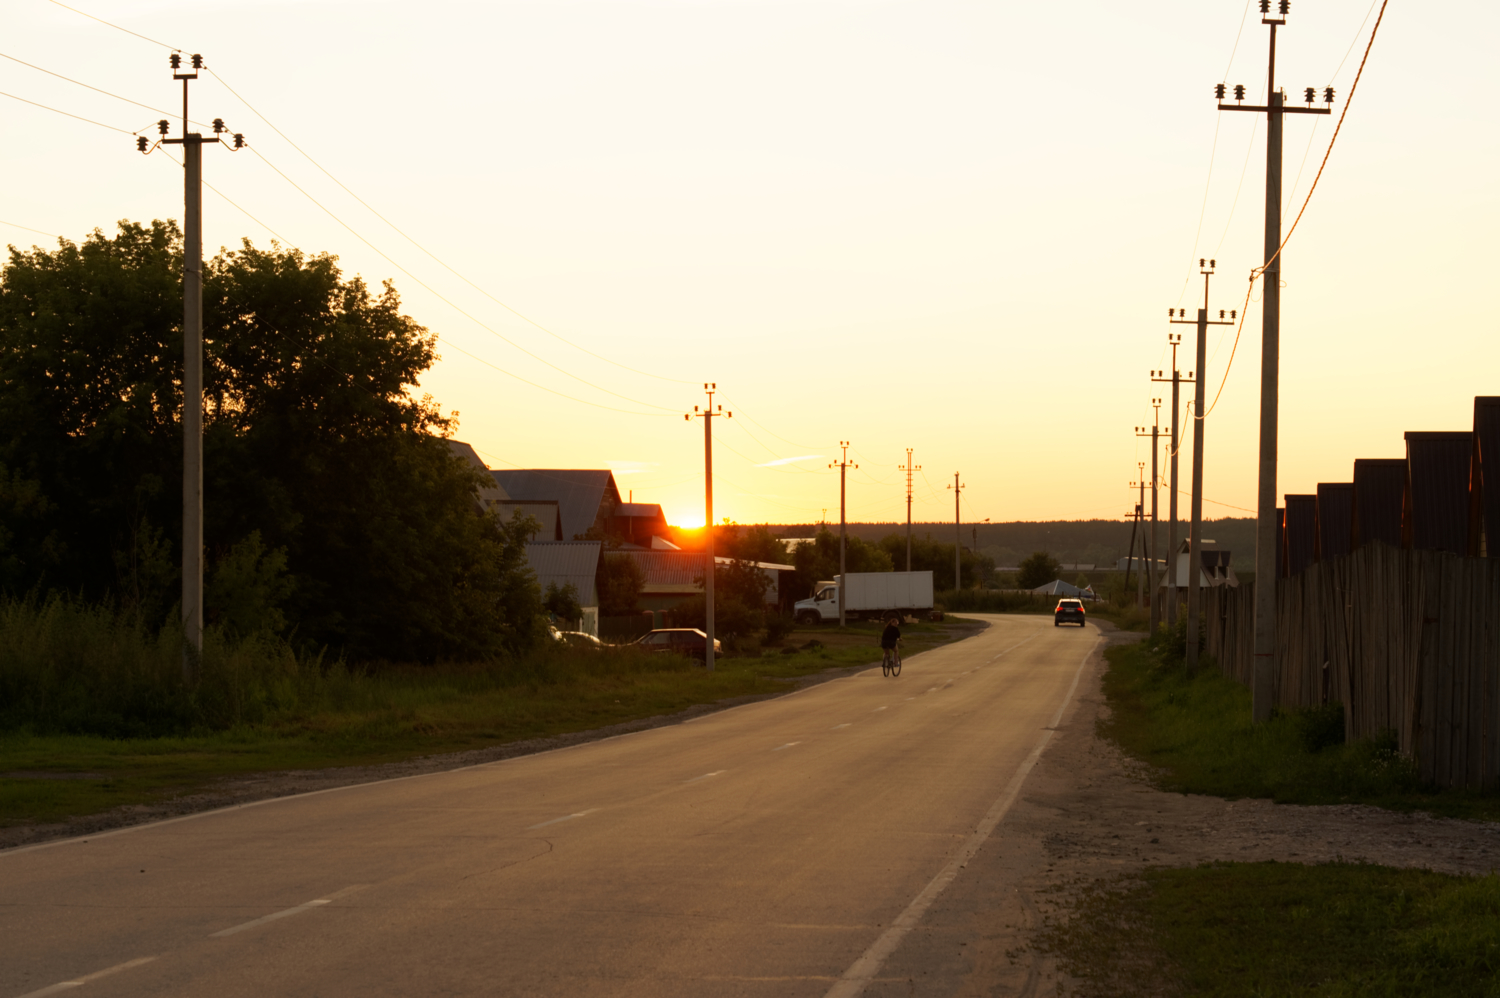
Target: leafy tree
[
  {"x": 314, "y": 441},
  {"x": 1037, "y": 570},
  {"x": 619, "y": 581},
  {"x": 563, "y": 603},
  {"x": 928, "y": 555},
  {"x": 819, "y": 560}
]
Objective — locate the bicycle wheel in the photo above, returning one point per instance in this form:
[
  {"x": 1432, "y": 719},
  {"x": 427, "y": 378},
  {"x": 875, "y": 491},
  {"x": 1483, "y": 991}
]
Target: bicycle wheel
[
  {"x": 885, "y": 665},
  {"x": 896, "y": 664}
]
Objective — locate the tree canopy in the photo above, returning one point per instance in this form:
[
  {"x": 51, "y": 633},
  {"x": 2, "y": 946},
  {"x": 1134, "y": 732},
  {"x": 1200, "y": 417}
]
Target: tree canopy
[{"x": 332, "y": 506}]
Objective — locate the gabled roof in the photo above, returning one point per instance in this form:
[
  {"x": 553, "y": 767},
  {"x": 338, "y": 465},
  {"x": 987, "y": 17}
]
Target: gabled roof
[
  {"x": 488, "y": 495},
  {"x": 580, "y": 493},
  {"x": 565, "y": 562}
]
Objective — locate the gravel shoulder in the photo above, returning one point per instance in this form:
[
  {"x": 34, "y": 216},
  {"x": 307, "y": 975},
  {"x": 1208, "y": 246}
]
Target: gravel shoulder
[{"x": 1088, "y": 813}]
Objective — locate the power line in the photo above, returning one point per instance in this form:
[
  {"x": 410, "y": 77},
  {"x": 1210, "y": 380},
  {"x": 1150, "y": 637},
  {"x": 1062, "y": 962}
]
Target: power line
[
  {"x": 29, "y": 229},
  {"x": 454, "y": 306},
  {"x": 96, "y": 90},
  {"x": 70, "y": 114},
  {"x": 110, "y": 24},
  {"x": 434, "y": 256}
]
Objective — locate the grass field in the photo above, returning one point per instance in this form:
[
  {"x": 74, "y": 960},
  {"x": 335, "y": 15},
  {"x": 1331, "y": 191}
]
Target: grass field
[
  {"x": 394, "y": 713},
  {"x": 1248, "y": 930},
  {"x": 1198, "y": 736}
]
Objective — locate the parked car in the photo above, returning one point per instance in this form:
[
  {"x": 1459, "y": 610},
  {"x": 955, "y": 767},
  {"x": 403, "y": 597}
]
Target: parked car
[
  {"x": 683, "y": 640},
  {"x": 1070, "y": 610},
  {"x": 579, "y": 639}
]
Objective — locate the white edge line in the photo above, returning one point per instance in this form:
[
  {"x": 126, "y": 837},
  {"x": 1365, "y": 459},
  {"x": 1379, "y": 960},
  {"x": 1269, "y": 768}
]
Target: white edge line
[
  {"x": 84, "y": 837},
  {"x": 862, "y": 972},
  {"x": 53, "y": 989}
]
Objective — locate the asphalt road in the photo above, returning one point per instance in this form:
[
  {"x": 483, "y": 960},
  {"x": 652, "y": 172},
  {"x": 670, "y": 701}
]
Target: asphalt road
[{"x": 781, "y": 848}]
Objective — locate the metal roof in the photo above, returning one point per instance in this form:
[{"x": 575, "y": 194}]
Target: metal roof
[
  {"x": 581, "y": 494},
  {"x": 1437, "y": 506},
  {"x": 488, "y": 495},
  {"x": 649, "y": 510},
  {"x": 1301, "y": 531},
  {"x": 544, "y": 511},
  {"x": 564, "y": 562},
  {"x": 679, "y": 571},
  {"x": 1379, "y": 484},
  {"x": 1335, "y": 519},
  {"x": 1485, "y": 476}
]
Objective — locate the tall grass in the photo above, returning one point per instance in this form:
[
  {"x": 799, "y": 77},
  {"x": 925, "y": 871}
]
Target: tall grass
[{"x": 68, "y": 667}]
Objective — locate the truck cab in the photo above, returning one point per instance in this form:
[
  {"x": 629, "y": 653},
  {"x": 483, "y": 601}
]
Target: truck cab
[{"x": 823, "y": 604}]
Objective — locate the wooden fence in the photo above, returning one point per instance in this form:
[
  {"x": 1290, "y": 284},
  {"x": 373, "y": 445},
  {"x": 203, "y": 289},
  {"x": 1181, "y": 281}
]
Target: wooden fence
[{"x": 1407, "y": 641}]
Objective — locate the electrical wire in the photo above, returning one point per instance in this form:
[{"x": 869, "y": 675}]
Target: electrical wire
[
  {"x": 1261, "y": 270},
  {"x": 461, "y": 311},
  {"x": 69, "y": 114},
  {"x": 29, "y": 229},
  {"x": 96, "y": 90},
  {"x": 110, "y": 24},
  {"x": 435, "y": 258}
]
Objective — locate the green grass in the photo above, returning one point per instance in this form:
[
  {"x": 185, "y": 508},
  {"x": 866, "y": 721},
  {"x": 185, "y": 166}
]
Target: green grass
[
  {"x": 1256, "y": 930},
  {"x": 1198, "y": 736},
  {"x": 334, "y": 716}
]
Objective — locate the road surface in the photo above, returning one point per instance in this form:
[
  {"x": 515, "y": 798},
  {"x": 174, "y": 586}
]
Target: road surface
[{"x": 785, "y": 847}]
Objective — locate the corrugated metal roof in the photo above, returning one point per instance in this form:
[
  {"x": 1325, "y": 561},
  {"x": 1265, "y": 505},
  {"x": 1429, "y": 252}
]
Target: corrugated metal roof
[
  {"x": 1301, "y": 531},
  {"x": 581, "y": 494},
  {"x": 679, "y": 571},
  {"x": 649, "y": 510},
  {"x": 564, "y": 562},
  {"x": 544, "y": 511},
  {"x": 1437, "y": 505},
  {"x": 1486, "y": 476},
  {"x": 1379, "y": 484},
  {"x": 1335, "y": 519},
  {"x": 488, "y": 495}
]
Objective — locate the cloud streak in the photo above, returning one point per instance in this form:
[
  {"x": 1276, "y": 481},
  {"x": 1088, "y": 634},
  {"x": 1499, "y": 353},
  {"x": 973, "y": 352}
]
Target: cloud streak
[{"x": 788, "y": 460}]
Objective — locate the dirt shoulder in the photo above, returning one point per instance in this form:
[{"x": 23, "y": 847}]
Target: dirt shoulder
[{"x": 1087, "y": 814}]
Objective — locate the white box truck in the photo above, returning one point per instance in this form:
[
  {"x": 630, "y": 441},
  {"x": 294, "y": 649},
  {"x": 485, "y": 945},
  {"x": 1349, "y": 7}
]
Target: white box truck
[{"x": 870, "y": 596}]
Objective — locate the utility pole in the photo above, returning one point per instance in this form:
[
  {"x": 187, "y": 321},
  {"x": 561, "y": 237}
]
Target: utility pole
[
  {"x": 192, "y": 361},
  {"x": 1151, "y": 558},
  {"x": 1195, "y": 527},
  {"x": 1140, "y": 512},
  {"x": 908, "y": 467},
  {"x": 1135, "y": 522},
  {"x": 958, "y": 540},
  {"x": 708, "y": 413},
  {"x": 1270, "y": 363},
  {"x": 843, "y": 465},
  {"x": 1175, "y": 340}
]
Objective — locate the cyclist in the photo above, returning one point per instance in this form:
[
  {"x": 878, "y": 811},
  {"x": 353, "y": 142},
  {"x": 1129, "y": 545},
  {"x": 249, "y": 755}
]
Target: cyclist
[{"x": 889, "y": 639}]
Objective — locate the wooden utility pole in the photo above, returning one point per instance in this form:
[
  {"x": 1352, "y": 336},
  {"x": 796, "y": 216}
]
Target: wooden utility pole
[
  {"x": 958, "y": 538},
  {"x": 192, "y": 362},
  {"x": 1195, "y": 526},
  {"x": 843, "y": 464},
  {"x": 1175, "y": 340},
  {"x": 908, "y": 467},
  {"x": 1270, "y": 364},
  {"x": 1152, "y": 556},
  {"x": 709, "y": 564}
]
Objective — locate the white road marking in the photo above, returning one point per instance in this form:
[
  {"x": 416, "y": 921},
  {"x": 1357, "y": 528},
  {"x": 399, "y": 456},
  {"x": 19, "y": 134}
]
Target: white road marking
[
  {"x": 838, "y": 726},
  {"x": 877, "y": 710},
  {"x": 309, "y": 906},
  {"x": 566, "y": 817},
  {"x": 862, "y": 972},
  {"x": 79, "y": 982},
  {"x": 693, "y": 780},
  {"x": 787, "y": 745}
]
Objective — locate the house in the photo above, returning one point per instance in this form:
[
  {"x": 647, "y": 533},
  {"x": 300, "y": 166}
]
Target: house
[
  {"x": 673, "y": 576},
  {"x": 574, "y": 563},
  {"x": 1215, "y": 569},
  {"x": 495, "y": 499},
  {"x": 586, "y": 499},
  {"x": 638, "y": 523},
  {"x": 487, "y": 495},
  {"x": 1060, "y": 588}
]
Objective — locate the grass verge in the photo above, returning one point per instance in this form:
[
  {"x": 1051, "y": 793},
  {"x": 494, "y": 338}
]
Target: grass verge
[
  {"x": 1197, "y": 735},
  {"x": 1245, "y": 930},
  {"x": 340, "y": 717}
]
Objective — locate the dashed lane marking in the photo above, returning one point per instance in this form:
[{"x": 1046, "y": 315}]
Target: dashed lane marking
[
  {"x": 299, "y": 909},
  {"x": 787, "y": 745},
  {"x": 79, "y": 982},
  {"x": 566, "y": 817},
  {"x": 695, "y": 779}
]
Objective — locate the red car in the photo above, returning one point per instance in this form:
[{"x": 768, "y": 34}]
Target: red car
[{"x": 687, "y": 641}]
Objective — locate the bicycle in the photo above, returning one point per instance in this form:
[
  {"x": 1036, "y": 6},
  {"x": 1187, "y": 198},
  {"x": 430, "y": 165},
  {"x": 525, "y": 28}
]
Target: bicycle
[{"x": 890, "y": 661}]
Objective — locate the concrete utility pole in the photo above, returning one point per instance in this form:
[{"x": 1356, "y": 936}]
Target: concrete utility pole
[
  {"x": 709, "y": 564},
  {"x": 958, "y": 539},
  {"x": 843, "y": 465},
  {"x": 1270, "y": 362},
  {"x": 1140, "y": 518},
  {"x": 192, "y": 362},
  {"x": 1175, "y": 339},
  {"x": 908, "y": 467},
  {"x": 1135, "y": 522},
  {"x": 1195, "y": 527},
  {"x": 1154, "y": 552}
]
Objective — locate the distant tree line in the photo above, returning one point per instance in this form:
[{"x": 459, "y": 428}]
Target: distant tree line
[{"x": 334, "y": 512}]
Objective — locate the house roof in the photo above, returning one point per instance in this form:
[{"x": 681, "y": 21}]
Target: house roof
[
  {"x": 647, "y": 510},
  {"x": 565, "y": 562},
  {"x": 544, "y": 511},
  {"x": 679, "y": 571},
  {"x": 1060, "y": 588},
  {"x": 580, "y": 493},
  {"x": 488, "y": 495}
]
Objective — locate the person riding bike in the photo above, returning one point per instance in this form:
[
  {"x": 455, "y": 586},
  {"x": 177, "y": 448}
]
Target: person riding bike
[{"x": 889, "y": 639}]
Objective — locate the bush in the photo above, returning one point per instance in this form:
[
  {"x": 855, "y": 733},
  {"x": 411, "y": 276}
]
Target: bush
[{"x": 778, "y": 626}]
